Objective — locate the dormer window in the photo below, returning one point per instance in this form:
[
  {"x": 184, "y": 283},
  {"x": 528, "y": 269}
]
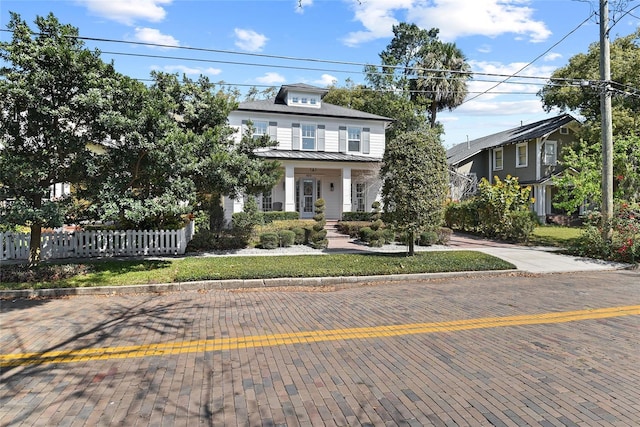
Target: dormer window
[
  {"x": 294, "y": 99},
  {"x": 304, "y": 100},
  {"x": 313, "y": 101}
]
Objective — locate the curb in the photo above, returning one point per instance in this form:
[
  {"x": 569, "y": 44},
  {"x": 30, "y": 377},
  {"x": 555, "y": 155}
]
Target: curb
[{"x": 245, "y": 284}]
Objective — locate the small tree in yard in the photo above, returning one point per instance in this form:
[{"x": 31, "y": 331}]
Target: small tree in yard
[
  {"x": 415, "y": 180},
  {"x": 318, "y": 236}
]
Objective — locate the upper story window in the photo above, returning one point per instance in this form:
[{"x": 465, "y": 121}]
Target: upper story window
[
  {"x": 308, "y": 137},
  {"x": 564, "y": 131},
  {"x": 354, "y": 137},
  {"x": 498, "y": 158},
  {"x": 521, "y": 155},
  {"x": 550, "y": 153},
  {"x": 260, "y": 129}
]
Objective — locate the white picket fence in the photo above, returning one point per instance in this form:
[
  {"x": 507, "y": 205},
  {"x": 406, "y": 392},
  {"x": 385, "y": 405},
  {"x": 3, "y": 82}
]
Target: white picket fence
[{"x": 105, "y": 243}]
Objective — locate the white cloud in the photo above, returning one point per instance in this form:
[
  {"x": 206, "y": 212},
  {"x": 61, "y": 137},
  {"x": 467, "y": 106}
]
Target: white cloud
[
  {"x": 454, "y": 18},
  {"x": 249, "y": 40},
  {"x": 271, "y": 79},
  {"x": 501, "y": 108},
  {"x": 498, "y": 71},
  {"x": 183, "y": 69},
  {"x": 128, "y": 11},
  {"x": 151, "y": 35},
  {"x": 485, "y": 48},
  {"x": 301, "y": 4},
  {"x": 552, "y": 56},
  {"x": 326, "y": 80}
]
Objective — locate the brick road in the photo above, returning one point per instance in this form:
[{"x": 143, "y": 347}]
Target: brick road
[{"x": 503, "y": 351}]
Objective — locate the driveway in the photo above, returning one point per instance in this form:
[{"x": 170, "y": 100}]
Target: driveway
[{"x": 553, "y": 349}]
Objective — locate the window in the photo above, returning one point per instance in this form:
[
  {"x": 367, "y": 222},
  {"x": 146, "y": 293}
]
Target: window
[
  {"x": 497, "y": 159},
  {"x": 304, "y": 100},
  {"x": 550, "y": 153},
  {"x": 354, "y": 135},
  {"x": 564, "y": 131},
  {"x": 308, "y": 137},
  {"x": 312, "y": 101},
  {"x": 521, "y": 155},
  {"x": 260, "y": 129},
  {"x": 267, "y": 201},
  {"x": 359, "y": 197},
  {"x": 294, "y": 99}
]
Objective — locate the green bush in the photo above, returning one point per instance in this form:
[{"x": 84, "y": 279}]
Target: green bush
[
  {"x": 318, "y": 237},
  {"x": 300, "y": 235},
  {"x": 444, "y": 235},
  {"x": 205, "y": 240},
  {"x": 279, "y": 216},
  {"x": 462, "y": 215},
  {"x": 365, "y": 234},
  {"x": 352, "y": 228},
  {"x": 428, "y": 238},
  {"x": 269, "y": 240},
  {"x": 356, "y": 216},
  {"x": 286, "y": 237}
]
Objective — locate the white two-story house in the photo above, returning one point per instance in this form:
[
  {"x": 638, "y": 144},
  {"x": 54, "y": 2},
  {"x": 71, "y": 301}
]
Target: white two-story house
[{"x": 326, "y": 151}]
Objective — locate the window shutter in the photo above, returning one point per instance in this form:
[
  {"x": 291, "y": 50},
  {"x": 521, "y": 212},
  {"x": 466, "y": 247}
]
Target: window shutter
[
  {"x": 342, "y": 139},
  {"x": 273, "y": 131},
  {"x": 295, "y": 136},
  {"x": 366, "y": 132},
  {"x": 320, "y": 137}
]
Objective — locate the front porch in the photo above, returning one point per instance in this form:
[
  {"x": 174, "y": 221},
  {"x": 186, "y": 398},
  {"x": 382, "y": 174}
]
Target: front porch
[{"x": 344, "y": 189}]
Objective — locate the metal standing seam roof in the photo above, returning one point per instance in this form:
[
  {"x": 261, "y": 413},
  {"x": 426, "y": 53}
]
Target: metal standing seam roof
[
  {"x": 464, "y": 150},
  {"x": 314, "y": 156}
]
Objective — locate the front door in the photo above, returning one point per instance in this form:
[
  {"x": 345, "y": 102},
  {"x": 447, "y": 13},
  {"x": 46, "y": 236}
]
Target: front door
[{"x": 307, "y": 197}]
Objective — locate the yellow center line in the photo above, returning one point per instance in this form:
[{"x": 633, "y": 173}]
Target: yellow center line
[{"x": 163, "y": 349}]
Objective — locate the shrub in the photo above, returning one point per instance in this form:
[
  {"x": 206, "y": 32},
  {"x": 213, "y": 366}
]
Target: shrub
[
  {"x": 300, "y": 235},
  {"x": 462, "y": 215},
  {"x": 352, "y": 228},
  {"x": 428, "y": 238},
  {"x": 444, "y": 235},
  {"x": 365, "y": 234},
  {"x": 318, "y": 237},
  {"x": 269, "y": 240},
  {"x": 286, "y": 237},
  {"x": 205, "y": 240},
  {"x": 624, "y": 245},
  {"x": 279, "y": 216},
  {"x": 356, "y": 216}
]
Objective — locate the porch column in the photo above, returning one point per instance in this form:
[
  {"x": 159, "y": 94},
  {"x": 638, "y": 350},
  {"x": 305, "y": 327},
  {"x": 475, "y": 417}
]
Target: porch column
[
  {"x": 289, "y": 189},
  {"x": 346, "y": 190}
]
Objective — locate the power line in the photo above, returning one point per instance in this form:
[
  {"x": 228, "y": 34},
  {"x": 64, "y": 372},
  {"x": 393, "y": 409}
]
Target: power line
[{"x": 535, "y": 59}]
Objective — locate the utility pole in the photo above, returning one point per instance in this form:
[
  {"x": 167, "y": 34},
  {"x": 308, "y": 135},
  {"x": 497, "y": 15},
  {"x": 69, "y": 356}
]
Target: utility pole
[{"x": 607, "y": 123}]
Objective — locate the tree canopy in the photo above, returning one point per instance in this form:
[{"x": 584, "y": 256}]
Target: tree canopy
[
  {"x": 419, "y": 66},
  {"x": 582, "y": 177},
  {"x": 415, "y": 178},
  {"x": 54, "y": 96}
]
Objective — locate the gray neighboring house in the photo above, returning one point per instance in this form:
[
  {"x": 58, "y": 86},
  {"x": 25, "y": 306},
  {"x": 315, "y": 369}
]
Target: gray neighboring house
[
  {"x": 530, "y": 152},
  {"x": 326, "y": 151}
]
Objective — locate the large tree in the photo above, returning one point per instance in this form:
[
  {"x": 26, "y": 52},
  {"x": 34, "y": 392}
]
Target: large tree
[
  {"x": 575, "y": 87},
  {"x": 415, "y": 178},
  {"x": 175, "y": 153},
  {"x": 433, "y": 75},
  {"x": 383, "y": 103},
  {"x": 53, "y": 92}
]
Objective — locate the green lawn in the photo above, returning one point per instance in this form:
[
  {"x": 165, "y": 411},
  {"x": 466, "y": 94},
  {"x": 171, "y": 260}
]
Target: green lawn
[
  {"x": 115, "y": 273},
  {"x": 557, "y": 236}
]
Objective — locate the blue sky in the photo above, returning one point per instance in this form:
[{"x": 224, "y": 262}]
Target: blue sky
[{"x": 289, "y": 37}]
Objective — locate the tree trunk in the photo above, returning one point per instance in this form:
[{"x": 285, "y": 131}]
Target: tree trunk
[
  {"x": 34, "y": 244},
  {"x": 434, "y": 111},
  {"x": 412, "y": 239},
  {"x": 216, "y": 214}
]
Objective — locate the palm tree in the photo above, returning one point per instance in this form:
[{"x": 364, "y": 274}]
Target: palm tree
[{"x": 442, "y": 77}]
